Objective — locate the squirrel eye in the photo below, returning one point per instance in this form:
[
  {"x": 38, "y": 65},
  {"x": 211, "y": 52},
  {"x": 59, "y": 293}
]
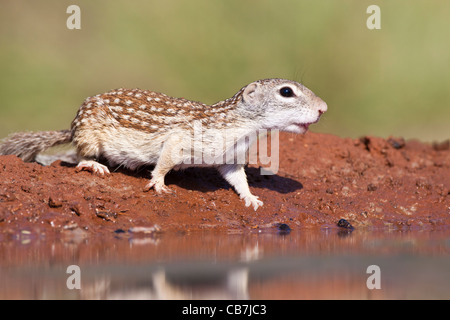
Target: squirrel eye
[{"x": 286, "y": 92}]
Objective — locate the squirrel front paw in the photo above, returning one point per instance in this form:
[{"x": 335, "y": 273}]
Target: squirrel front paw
[{"x": 254, "y": 201}]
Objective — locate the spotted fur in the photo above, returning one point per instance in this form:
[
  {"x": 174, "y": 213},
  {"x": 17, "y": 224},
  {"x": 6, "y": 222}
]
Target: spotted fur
[{"x": 133, "y": 128}]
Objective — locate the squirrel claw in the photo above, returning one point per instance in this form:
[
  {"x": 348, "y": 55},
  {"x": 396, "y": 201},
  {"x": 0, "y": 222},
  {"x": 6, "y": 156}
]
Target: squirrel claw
[
  {"x": 159, "y": 187},
  {"x": 92, "y": 166}
]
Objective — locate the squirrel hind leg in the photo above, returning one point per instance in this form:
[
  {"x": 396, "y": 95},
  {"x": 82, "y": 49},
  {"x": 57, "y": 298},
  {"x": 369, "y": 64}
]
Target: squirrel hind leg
[{"x": 92, "y": 166}]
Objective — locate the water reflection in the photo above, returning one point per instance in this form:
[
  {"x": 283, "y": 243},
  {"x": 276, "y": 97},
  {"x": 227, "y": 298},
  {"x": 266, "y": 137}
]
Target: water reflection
[
  {"x": 302, "y": 264},
  {"x": 198, "y": 283}
]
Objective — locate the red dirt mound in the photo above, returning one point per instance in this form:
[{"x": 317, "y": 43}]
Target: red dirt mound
[{"x": 371, "y": 182}]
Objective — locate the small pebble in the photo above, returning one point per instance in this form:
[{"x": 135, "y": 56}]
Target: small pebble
[
  {"x": 283, "y": 228},
  {"x": 54, "y": 202},
  {"x": 105, "y": 215},
  {"x": 344, "y": 224},
  {"x": 79, "y": 208},
  {"x": 396, "y": 143}
]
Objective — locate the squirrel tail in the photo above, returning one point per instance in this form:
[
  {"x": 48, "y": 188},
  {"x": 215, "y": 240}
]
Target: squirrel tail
[{"x": 26, "y": 145}]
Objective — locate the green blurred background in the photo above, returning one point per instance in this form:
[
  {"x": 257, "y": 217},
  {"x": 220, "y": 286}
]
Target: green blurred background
[{"x": 393, "y": 81}]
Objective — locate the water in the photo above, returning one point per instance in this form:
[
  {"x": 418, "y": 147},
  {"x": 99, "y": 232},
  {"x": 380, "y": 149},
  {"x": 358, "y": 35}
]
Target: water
[{"x": 302, "y": 264}]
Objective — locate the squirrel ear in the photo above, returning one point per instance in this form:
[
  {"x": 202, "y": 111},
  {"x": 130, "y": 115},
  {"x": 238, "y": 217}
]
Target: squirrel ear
[{"x": 250, "y": 93}]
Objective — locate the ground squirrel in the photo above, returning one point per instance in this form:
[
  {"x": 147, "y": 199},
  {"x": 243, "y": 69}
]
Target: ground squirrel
[{"x": 134, "y": 128}]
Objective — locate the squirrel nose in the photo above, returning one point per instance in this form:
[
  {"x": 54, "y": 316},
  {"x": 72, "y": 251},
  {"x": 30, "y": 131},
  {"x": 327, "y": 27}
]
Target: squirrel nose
[{"x": 321, "y": 106}]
